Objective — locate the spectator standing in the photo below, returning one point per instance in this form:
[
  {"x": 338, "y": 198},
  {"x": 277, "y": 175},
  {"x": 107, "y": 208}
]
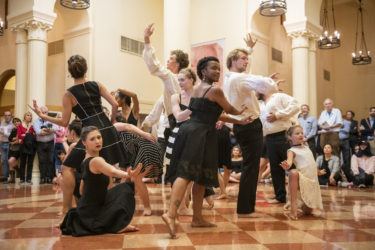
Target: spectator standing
[
  {"x": 6, "y": 127},
  {"x": 309, "y": 125},
  {"x": 367, "y": 126}
]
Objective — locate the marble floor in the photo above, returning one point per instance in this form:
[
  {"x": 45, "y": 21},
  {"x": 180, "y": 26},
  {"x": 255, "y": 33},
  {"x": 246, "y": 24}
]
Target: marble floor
[{"x": 29, "y": 214}]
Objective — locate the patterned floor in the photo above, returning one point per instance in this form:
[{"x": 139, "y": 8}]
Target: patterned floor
[{"x": 29, "y": 213}]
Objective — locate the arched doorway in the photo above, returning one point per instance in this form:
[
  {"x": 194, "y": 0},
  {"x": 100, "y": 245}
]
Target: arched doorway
[{"x": 7, "y": 90}]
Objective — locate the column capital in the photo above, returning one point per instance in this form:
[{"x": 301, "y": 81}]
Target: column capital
[{"x": 37, "y": 30}]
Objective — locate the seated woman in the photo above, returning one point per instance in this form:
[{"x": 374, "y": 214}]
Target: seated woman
[
  {"x": 331, "y": 164},
  {"x": 363, "y": 166},
  {"x": 99, "y": 210}
]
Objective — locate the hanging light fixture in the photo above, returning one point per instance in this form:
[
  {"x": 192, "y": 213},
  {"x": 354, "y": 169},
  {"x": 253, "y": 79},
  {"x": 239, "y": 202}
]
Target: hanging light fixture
[
  {"x": 272, "y": 8},
  {"x": 1, "y": 28},
  {"x": 75, "y": 4},
  {"x": 327, "y": 40},
  {"x": 362, "y": 57}
]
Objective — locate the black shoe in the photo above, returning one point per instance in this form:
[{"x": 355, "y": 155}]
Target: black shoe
[
  {"x": 42, "y": 181},
  {"x": 29, "y": 182},
  {"x": 22, "y": 181},
  {"x": 49, "y": 180}
]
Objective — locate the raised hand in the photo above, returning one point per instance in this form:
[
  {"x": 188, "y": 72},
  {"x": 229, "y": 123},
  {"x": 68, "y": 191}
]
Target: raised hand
[
  {"x": 285, "y": 165},
  {"x": 35, "y": 108},
  {"x": 274, "y": 75},
  {"x": 149, "y": 30},
  {"x": 249, "y": 41}
]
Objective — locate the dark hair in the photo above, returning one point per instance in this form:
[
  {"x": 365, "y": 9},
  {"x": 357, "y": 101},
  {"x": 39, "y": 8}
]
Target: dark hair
[
  {"x": 16, "y": 119},
  {"x": 189, "y": 73},
  {"x": 182, "y": 58},
  {"x": 77, "y": 66},
  {"x": 329, "y": 144},
  {"x": 76, "y": 126},
  {"x": 120, "y": 117},
  {"x": 127, "y": 99},
  {"x": 233, "y": 55},
  {"x": 202, "y": 64},
  {"x": 305, "y": 105},
  {"x": 87, "y": 130},
  {"x": 353, "y": 114},
  {"x": 61, "y": 151},
  {"x": 372, "y": 108}
]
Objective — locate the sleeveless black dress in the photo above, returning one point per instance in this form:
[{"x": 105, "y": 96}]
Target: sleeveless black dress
[
  {"x": 195, "y": 152},
  {"x": 99, "y": 210},
  {"x": 89, "y": 111},
  {"x": 131, "y": 119},
  {"x": 171, "y": 173}
]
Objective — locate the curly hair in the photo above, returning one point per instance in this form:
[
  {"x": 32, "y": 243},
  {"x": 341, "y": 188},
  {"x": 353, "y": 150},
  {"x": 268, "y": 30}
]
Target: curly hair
[
  {"x": 202, "y": 64},
  {"x": 182, "y": 58}
]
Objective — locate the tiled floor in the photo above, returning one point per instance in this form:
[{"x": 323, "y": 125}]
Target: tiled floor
[{"x": 28, "y": 215}]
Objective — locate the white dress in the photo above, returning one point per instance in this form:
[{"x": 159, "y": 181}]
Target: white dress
[{"x": 308, "y": 177}]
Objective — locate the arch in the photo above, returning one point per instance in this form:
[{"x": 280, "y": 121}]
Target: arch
[{"x": 4, "y": 77}]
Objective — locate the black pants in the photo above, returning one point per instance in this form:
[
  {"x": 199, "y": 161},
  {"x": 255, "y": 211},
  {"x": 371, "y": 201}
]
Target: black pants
[
  {"x": 363, "y": 178},
  {"x": 250, "y": 138},
  {"x": 324, "y": 179},
  {"x": 312, "y": 146},
  {"x": 277, "y": 146},
  {"x": 29, "y": 158},
  {"x": 45, "y": 156},
  {"x": 346, "y": 151}
]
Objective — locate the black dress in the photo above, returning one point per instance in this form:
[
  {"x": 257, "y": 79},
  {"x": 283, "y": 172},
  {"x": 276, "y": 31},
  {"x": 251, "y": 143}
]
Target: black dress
[
  {"x": 140, "y": 150},
  {"x": 131, "y": 119},
  {"x": 99, "y": 210},
  {"x": 171, "y": 174},
  {"x": 236, "y": 166},
  {"x": 195, "y": 152},
  {"x": 89, "y": 110}
]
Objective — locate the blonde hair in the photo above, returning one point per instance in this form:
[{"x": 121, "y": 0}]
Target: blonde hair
[
  {"x": 233, "y": 55},
  {"x": 290, "y": 131},
  {"x": 189, "y": 73},
  {"x": 26, "y": 113}
]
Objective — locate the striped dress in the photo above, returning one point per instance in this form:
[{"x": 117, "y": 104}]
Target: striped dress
[{"x": 140, "y": 150}]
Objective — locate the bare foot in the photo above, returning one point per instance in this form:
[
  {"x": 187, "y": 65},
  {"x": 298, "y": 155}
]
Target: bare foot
[
  {"x": 129, "y": 229},
  {"x": 185, "y": 212},
  {"x": 250, "y": 215},
  {"x": 170, "y": 222},
  {"x": 291, "y": 216},
  {"x": 210, "y": 202},
  {"x": 202, "y": 223},
  {"x": 273, "y": 201},
  {"x": 287, "y": 206},
  {"x": 146, "y": 211},
  {"x": 221, "y": 197}
]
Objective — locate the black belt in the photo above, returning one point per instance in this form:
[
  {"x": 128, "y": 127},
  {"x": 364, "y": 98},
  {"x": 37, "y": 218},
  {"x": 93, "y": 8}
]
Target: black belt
[{"x": 277, "y": 134}]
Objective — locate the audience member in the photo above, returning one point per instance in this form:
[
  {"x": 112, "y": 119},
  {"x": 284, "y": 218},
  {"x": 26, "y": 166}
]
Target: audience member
[
  {"x": 6, "y": 127},
  {"x": 309, "y": 125},
  {"x": 367, "y": 126},
  {"x": 329, "y": 167},
  {"x": 344, "y": 136},
  {"x": 363, "y": 166},
  {"x": 14, "y": 150},
  {"x": 354, "y": 130}
]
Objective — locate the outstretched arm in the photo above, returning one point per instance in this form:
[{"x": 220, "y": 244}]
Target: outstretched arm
[
  {"x": 288, "y": 163},
  {"x": 133, "y": 129},
  {"x": 217, "y": 95},
  {"x": 66, "y": 112},
  {"x": 111, "y": 99}
]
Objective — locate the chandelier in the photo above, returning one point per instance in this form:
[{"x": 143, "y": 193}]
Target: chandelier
[
  {"x": 363, "y": 56},
  {"x": 1, "y": 28},
  {"x": 75, "y": 4},
  {"x": 272, "y": 8},
  {"x": 327, "y": 40}
]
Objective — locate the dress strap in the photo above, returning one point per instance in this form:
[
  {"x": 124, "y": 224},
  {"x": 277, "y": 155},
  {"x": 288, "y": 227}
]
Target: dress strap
[
  {"x": 180, "y": 98},
  {"x": 207, "y": 91}
]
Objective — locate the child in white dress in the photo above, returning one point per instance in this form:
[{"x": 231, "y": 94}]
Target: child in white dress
[{"x": 304, "y": 178}]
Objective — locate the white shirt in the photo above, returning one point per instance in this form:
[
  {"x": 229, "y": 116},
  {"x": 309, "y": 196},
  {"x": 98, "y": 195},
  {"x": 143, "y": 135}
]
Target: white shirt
[
  {"x": 330, "y": 119},
  {"x": 240, "y": 89},
  {"x": 157, "y": 118},
  {"x": 170, "y": 81},
  {"x": 284, "y": 107},
  {"x": 7, "y": 129}
]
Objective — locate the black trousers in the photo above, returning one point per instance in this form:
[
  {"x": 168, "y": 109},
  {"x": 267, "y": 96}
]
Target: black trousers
[
  {"x": 277, "y": 146},
  {"x": 312, "y": 146},
  {"x": 45, "y": 156},
  {"x": 324, "y": 179},
  {"x": 29, "y": 158},
  {"x": 250, "y": 138}
]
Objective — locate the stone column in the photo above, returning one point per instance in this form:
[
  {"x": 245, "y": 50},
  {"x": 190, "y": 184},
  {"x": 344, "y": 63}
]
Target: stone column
[
  {"x": 20, "y": 105},
  {"x": 312, "y": 77},
  {"x": 37, "y": 55},
  {"x": 300, "y": 55},
  {"x": 176, "y": 33}
]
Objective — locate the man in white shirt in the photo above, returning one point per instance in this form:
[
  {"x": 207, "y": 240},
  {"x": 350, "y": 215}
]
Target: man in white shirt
[
  {"x": 6, "y": 127},
  {"x": 330, "y": 121},
  {"x": 177, "y": 61},
  {"x": 277, "y": 117},
  {"x": 240, "y": 89}
]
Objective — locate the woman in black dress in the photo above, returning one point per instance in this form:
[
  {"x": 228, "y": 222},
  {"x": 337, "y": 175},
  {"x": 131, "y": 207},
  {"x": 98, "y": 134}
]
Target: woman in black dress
[
  {"x": 99, "y": 210},
  {"x": 195, "y": 153},
  {"x": 124, "y": 99},
  {"x": 84, "y": 100}
]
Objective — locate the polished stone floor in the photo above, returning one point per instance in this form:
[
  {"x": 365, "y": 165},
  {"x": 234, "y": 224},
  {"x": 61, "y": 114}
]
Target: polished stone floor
[{"x": 29, "y": 213}]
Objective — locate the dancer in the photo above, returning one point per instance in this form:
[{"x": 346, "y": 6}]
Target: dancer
[
  {"x": 195, "y": 150},
  {"x": 99, "y": 210},
  {"x": 141, "y": 147},
  {"x": 84, "y": 100},
  {"x": 240, "y": 89},
  {"x": 236, "y": 164},
  {"x": 303, "y": 179},
  {"x": 124, "y": 99}
]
